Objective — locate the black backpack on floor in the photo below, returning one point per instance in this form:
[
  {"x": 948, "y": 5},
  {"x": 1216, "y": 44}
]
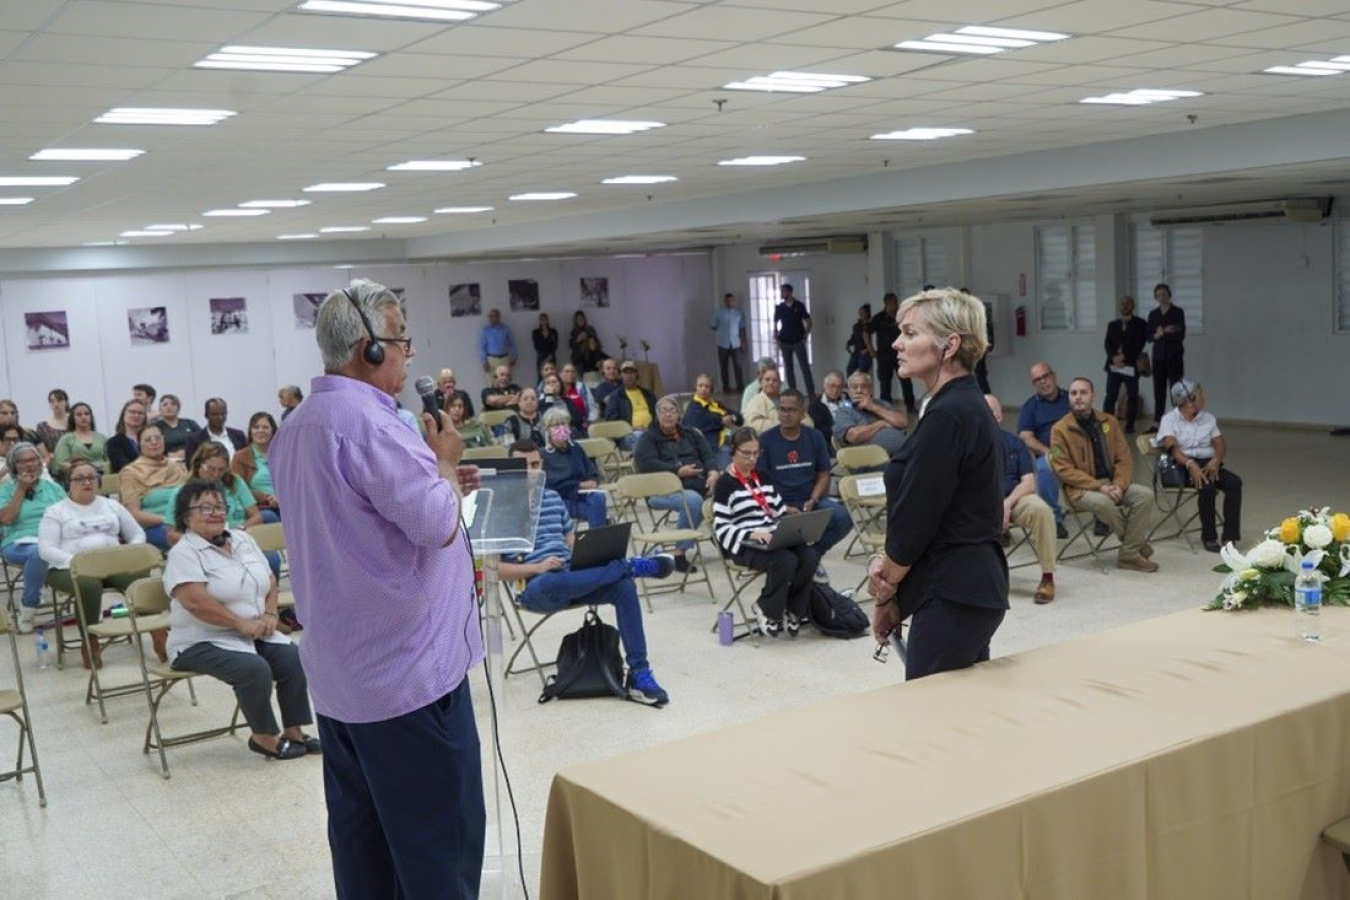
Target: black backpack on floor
[
  {"x": 836, "y": 615},
  {"x": 589, "y": 664}
]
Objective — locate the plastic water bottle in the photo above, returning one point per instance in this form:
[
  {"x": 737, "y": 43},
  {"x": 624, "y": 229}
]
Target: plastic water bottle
[
  {"x": 726, "y": 626},
  {"x": 1308, "y": 603},
  {"x": 43, "y": 649}
]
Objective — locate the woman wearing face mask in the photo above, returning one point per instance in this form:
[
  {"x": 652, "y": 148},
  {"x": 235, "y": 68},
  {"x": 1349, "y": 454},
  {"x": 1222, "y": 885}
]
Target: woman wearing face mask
[
  {"x": 525, "y": 424},
  {"x": 125, "y": 445},
  {"x": 81, "y": 441},
  {"x": 570, "y": 472}
]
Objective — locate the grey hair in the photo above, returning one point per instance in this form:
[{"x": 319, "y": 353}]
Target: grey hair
[
  {"x": 338, "y": 327},
  {"x": 668, "y": 400},
  {"x": 12, "y": 457},
  {"x": 556, "y": 415}
]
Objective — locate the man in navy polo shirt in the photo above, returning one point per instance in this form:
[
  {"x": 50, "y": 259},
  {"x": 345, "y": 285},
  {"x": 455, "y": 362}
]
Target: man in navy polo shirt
[
  {"x": 792, "y": 326},
  {"x": 798, "y": 462},
  {"x": 1039, "y": 414}
]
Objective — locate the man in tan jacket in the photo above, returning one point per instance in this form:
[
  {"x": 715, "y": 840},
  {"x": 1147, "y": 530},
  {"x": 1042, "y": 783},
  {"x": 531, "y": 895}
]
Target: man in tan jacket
[{"x": 1089, "y": 456}]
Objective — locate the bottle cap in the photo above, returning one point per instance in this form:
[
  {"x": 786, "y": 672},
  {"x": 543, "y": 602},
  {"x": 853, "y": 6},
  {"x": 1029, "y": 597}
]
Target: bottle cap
[{"x": 1308, "y": 564}]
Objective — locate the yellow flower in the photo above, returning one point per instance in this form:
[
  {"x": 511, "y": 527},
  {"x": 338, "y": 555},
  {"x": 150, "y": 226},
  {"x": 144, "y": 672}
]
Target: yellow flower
[
  {"x": 1340, "y": 526},
  {"x": 1290, "y": 531}
]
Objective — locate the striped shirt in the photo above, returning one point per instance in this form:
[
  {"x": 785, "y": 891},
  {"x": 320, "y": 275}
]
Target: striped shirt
[
  {"x": 390, "y": 613},
  {"x": 550, "y": 534},
  {"x": 736, "y": 511}
]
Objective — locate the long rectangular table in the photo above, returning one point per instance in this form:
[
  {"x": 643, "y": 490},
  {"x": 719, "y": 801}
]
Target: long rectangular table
[{"x": 1191, "y": 756}]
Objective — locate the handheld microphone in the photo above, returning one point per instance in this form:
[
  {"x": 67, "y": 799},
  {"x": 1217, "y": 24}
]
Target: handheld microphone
[{"x": 426, "y": 389}]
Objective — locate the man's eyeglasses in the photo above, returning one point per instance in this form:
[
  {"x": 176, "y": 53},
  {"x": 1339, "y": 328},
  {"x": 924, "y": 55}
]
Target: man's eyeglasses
[
  {"x": 405, "y": 343},
  {"x": 209, "y": 509},
  {"x": 1042, "y": 377}
]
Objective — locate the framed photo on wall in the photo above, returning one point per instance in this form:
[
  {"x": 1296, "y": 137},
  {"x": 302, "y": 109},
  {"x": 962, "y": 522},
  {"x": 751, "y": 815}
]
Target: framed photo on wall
[
  {"x": 595, "y": 292},
  {"x": 47, "y": 330},
  {"x": 229, "y": 315},
  {"x": 306, "y": 308},
  {"x": 524, "y": 294},
  {"x": 466, "y": 300},
  {"x": 148, "y": 325}
]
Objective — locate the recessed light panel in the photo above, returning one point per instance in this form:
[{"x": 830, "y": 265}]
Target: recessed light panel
[
  {"x": 283, "y": 59},
  {"x": 1140, "y": 97},
  {"x": 795, "y": 82},
  {"x": 15, "y": 201},
  {"x": 640, "y": 179},
  {"x": 71, "y": 154},
  {"x": 462, "y": 210},
  {"x": 761, "y": 160},
  {"x": 37, "y": 180},
  {"x": 236, "y": 213},
  {"x": 274, "y": 204},
  {"x": 435, "y": 165},
  {"x": 604, "y": 126},
  {"x": 981, "y": 40},
  {"x": 399, "y": 220},
  {"x": 307, "y": 236},
  {"x": 147, "y": 233},
  {"x": 343, "y": 229},
  {"x": 435, "y": 10},
  {"x": 139, "y": 115},
  {"x": 343, "y": 187},
  {"x": 543, "y": 195},
  {"x": 1313, "y": 67},
  {"x": 921, "y": 134},
  {"x": 178, "y": 226}
]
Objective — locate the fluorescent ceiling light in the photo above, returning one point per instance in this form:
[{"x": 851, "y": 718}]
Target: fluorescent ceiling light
[
  {"x": 761, "y": 160},
  {"x": 981, "y": 39},
  {"x": 439, "y": 10},
  {"x": 343, "y": 229},
  {"x": 146, "y": 233},
  {"x": 543, "y": 195},
  {"x": 796, "y": 82},
  {"x": 604, "y": 126},
  {"x": 37, "y": 180},
  {"x": 283, "y": 59},
  {"x": 309, "y": 235},
  {"x": 640, "y": 179},
  {"x": 340, "y": 186},
  {"x": 920, "y": 134},
  {"x": 435, "y": 165},
  {"x": 1298, "y": 70},
  {"x": 1140, "y": 97},
  {"x": 137, "y": 115},
  {"x": 237, "y": 212},
  {"x": 91, "y": 155},
  {"x": 102, "y": 243},
  {"x": 174, "y": 227},
  {"x": 15, "y": 201},
  {"x": 1319, "y": 64},
  {"x": 399, "y": 220},
  {"x": 462, "y": 210},
  {"x": 274, "y": 204}
]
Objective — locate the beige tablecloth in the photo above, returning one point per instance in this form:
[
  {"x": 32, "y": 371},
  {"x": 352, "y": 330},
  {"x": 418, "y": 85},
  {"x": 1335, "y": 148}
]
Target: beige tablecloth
[{"x": 1192, "y": 756}]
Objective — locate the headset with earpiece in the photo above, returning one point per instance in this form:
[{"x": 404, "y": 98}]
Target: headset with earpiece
[{"x": 374, "y": 351}]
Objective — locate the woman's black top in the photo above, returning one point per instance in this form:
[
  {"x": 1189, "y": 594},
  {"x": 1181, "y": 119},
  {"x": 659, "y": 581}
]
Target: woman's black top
[
  {"x": 121, "y": 451},
  {"x": 944, "y": 495},
  {"x": 577, "y": 341},
  {"x": 545, "y": 343}
]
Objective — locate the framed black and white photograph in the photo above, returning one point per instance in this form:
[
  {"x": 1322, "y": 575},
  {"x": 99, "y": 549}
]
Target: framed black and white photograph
[
  {"x": 524, "y": 294},
  {"x": 148, "y": 325},
  {"x": 595, "y": 292},
  {"x": 466, "y": 300},
  {"x": 306, "y": 307},
  {"x": 229, "y": 315},
  {"x": 47, "y": 330}
]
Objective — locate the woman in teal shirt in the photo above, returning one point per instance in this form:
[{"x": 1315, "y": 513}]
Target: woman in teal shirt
[
  {"x": 23, "y": 500},
  {"x": 250, "y": 464}
]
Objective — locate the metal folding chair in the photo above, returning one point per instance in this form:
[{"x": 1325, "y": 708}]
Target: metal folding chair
[
  {"x": 1177, "y": 505},
  {"x": 14, "y": 703},
  {"x": 645, "y": 486}
]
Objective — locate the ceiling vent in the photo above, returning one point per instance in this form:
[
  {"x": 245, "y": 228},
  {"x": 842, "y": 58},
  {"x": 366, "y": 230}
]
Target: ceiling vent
[
  {"x": 805, "y": 246},
  {"x": 1298, "y": 209}
]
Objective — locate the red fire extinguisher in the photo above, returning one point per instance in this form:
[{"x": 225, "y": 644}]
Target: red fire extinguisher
[{"x": 1021, "y": 316}]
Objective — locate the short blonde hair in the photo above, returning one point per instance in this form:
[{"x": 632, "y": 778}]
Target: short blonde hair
[{"x": 947, "y": 311}]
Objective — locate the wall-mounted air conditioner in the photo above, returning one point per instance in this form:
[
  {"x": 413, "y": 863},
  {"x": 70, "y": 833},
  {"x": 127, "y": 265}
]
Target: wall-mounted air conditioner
[
  {"x": 1297, "y": 209},
  {"x": 805, "y": 246}
]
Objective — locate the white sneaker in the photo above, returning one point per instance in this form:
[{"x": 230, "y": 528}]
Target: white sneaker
[{"x": 26, "y": 617}]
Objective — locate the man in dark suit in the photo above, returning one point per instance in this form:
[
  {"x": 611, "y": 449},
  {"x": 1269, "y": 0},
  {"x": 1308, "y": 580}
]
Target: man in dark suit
[
  {"x": 215, "y": 430},
  {"x": 1124, "y": 345},
  {"x": 1166, "y": 330}
]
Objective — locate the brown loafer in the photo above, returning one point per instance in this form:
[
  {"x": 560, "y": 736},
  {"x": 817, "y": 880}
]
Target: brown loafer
[
  {"x": 1045, "y": 592},
  {"x": 1137, "y": 563}
]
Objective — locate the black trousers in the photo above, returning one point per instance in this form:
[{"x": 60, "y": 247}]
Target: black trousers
[
  {"x": 1167, "y": 371},
  {"x": 1114, "y": 382},
  {"x": 1231, "y": 485},
  {"x": 252, "y": 676},
  {"x": 944, "y": 636},
  {"x": 405, "y": 803},
  {"x": 787, "y": 582},
  {"x": 886, "y": 370},
  {"x": 733, "y": 356}
]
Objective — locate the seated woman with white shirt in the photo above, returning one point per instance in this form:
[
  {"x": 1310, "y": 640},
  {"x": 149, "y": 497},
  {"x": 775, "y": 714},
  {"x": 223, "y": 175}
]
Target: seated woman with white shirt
[
  {"x": 86, "y": 521},
  {"x": 1191, "y": 437},
  {"x": 223, "y": 622}
]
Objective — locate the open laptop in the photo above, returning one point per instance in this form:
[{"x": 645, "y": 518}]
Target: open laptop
[
  {"x": 803, "y": 528},
  {"x": 601, "y": 546}
]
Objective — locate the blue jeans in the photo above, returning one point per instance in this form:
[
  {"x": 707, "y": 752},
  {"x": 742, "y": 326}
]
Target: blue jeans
[
  {"x": 838, "y": 528},
  {"x": 1047, "y": 486},
  {"x": 159, "y": 536},
  {"x": 688, "y": 506},
  {"x": 589, "y": 506},
  {"x": 34, "y": 571},
  {"x": 274, "y": 562},
  {"x": 405, "y": 802},
  {"x": 611, "y": 584},
  {"x": 270, "y": 516}
]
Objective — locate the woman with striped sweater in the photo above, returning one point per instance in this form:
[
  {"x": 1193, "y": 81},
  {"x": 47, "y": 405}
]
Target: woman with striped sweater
[{"x": 746, "y": 510}]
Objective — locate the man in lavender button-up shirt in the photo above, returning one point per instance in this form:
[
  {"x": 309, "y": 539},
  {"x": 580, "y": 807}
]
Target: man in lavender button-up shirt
[{"x": 384, "y": 584}]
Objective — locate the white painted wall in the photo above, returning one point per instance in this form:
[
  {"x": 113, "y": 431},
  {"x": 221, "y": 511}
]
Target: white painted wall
[{"x": 649, "y": 298}]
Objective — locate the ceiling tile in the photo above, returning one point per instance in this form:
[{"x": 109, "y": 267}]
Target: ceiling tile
[
  {"x": 1310, "y": 34},
  {"x": 503, "y": 91},
  {"x": 651, "y": 50},
  {"x": 424, "y": 65},
  {"x": 78, "y": 48},
  {"x": 617, "y": 15},
  {"x": 1303, "y": 7},
  {"x": 1089, "y": 50},
  {"x": 511, "y": 43},
  {"x": 338, "y": 33},
  {"x": 746, "y": 24},
  {"x": 19, "y": 72},
  {"x": 563, "y": 72},
  {"x": 108, "y": 19},
  {"x": 1208, "y": 25},
  {"x": 968, "y": 12},
  {"x": 762, "y": 58},
  {"x": 1179, "y": 55},
  {"x": 359, "y": 86},
  {"x": 1086, "y": 17},
  {"x": 852, "y": 33},
  {"x": 609, "y": 95}
]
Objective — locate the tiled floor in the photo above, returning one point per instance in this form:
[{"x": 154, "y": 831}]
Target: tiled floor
[{"x": 230, "y": 824}]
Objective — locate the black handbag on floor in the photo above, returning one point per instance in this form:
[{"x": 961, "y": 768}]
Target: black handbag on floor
[
  {"x": 589, "y": 664},
  {"x": 1169, "y": 474}
]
